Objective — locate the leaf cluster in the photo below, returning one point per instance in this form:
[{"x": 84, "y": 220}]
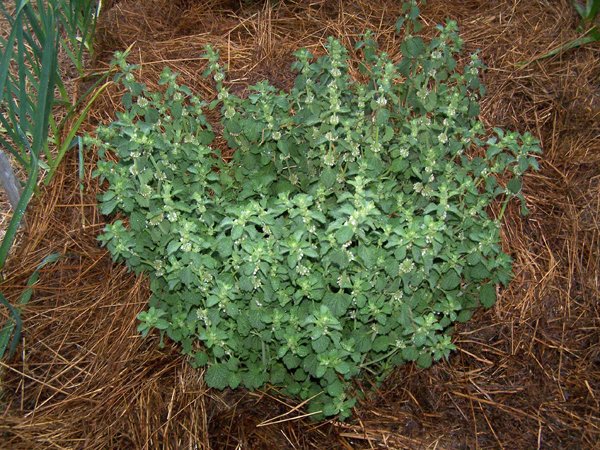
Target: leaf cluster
[{"x": 346, "y": 236}]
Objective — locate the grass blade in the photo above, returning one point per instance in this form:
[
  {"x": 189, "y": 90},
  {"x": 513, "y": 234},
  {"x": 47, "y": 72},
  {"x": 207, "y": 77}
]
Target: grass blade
[
  {"x": 74, "y": 128},
  {"x": 16, "y": 325},
  {"x": 593, "y": 35},
  {"x": 81, "y": 163},
  {"x": 7, "y": 330},
  {"x": 40, "y": 120},
  {"x": 7, "y": 57}
]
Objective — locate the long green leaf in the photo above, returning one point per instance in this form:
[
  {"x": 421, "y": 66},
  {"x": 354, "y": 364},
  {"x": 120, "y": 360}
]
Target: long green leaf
[
  {"x": 14, "y": 328},
  {"x": 588, "y": 10},
  {"x": 592, "y": 35},
  {"x": 28, "y": 97},
  {"x": 7, "y": 87},
  {"x": 72, "y": 132},
  {"x": 81, "y": 163},
  {"x": 39, "y": 131},
  {"x": 39, "y": 135},
  {"x": 7, "y": 56},
  {"x": 78, "y": 18},
  {"x": 11, "y": 149},
  {"x": 82, "y": 99},
  {"x": 594, "y": 9},
  {"x": 8, "y": 328},
  {"x": 47, "y": 83},
  {"x": 21, "y": 94}
]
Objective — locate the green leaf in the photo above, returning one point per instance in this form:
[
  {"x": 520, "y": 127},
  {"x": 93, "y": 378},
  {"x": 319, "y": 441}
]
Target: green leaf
[
  {"x": 410, "y": 353},
  {"x": 487, "y": 295},
  {"x": 187, "y": 276},
  {"x": 291, "y": 361},
  {"x": 234, "y": 380},
  {"x": 335, "y": 389},
  {"x": 15, "y": 325},
  {"x": 514, "y": 185},
  {"x": 342, "y": 367},
  {"x": 236, "y": 232},
  {"x": 212, "y": 300},
  {"x": 217, "y": 376},
  {"x": 278, "y": 374},
  {"x": 337, "y": 303},
  {"x": 464, "y": 316},
  {"x": 367, "y": 255},
  {"x": 344, "y": 234},
  {"x": 388, "y": 134},
  {"x": 479, "y": 272},
  {"x": 381, "y": 343},
  {"x": 205, "y": 137},
  {"x": 339, "y": 258},
  {"x": 245, "y": 283},
  {"x": 414, "y": 46},
  {"x": 450, "y": 281},
  {"x": 328, "y": 177},
  {"x": 328, "y": 409},
  {"x": 430, "y": 101},
  {"x": 425, "y": 360},
  {"x": 321, "y": 344},
  {"x": 224, "y": 246},
  {"x": 200, "y": 359},
  {"x": 173, "y": 246},
  {"x": 109, "y": 206},
  {"x": 399, "y": 165}
]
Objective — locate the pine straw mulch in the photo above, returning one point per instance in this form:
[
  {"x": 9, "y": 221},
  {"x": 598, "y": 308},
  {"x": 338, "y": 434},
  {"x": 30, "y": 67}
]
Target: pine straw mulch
[{"x": 527, "y": 372}]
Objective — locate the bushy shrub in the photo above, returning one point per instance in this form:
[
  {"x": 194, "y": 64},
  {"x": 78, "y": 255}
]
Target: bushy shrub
[{"x": 348, "y": 233}]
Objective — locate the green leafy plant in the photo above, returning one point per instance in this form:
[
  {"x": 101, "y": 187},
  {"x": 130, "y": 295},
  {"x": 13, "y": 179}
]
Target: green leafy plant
[
  {"x": 73, "y": 24},
  {"x": 28, "y": 112},
  {"x": 348, "y": 233},
  {"x": 587, "y": 10},
  {"x": 29, "y": 132},
  {"x": 78, "y": 19},
  {"x": 29, "y": 75}
]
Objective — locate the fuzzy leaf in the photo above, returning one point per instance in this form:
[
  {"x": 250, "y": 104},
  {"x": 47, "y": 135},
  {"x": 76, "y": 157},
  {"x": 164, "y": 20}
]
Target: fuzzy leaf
[
  {"x": 217, "y": 376},
  {"x": 487, "y": 295}
]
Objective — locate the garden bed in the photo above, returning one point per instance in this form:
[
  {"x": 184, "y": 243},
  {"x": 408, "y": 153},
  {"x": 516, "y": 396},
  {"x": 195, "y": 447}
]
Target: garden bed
[{"x": 526, "y": 373}]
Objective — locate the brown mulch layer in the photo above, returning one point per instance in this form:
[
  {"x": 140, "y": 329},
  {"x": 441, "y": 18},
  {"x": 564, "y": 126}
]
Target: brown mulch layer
[{"x": 527, "y": 371}]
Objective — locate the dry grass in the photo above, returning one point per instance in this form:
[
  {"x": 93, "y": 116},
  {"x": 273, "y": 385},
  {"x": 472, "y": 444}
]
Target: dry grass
[{"x": 527, "y": 372}]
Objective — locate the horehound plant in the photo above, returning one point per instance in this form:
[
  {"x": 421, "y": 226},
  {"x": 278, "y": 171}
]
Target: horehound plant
[{"x": 348, "y": 233}]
